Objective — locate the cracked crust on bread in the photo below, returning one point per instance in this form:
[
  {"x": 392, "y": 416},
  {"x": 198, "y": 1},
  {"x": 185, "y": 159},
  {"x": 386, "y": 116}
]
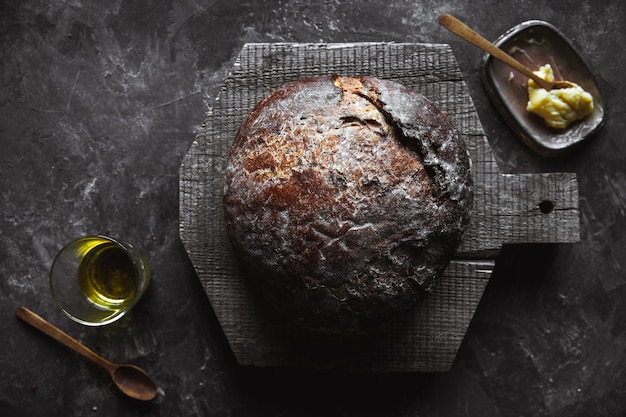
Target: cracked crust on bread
[{"x": 345, "y": 198}]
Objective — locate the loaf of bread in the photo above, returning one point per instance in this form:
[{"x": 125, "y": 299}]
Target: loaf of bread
[{"x": 345, "y": 199}]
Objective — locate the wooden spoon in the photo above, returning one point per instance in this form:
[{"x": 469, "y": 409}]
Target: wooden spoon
[
  {"x": 131, "y": 380},
  {"x": 457, "y": 27}
]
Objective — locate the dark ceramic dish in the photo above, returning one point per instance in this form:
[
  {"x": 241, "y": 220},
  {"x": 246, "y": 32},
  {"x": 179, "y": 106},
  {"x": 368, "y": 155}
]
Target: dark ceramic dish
[{"x": 535, "y": 43}]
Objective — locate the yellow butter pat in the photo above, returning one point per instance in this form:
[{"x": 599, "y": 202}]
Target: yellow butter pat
[{"x": 558, "y": 107}]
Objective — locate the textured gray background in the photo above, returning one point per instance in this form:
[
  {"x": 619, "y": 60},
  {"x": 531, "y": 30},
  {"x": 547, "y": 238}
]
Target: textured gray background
[{"x": 99, "y": 104}]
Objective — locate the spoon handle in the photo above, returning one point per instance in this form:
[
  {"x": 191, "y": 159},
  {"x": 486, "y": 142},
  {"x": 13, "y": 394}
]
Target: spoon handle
[
  {"x": 39, "y": 323},
  {"x": 459, "y": 28}
]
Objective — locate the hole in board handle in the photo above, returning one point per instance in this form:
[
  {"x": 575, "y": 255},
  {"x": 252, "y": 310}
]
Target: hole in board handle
[{"x": 546, "y": 206}]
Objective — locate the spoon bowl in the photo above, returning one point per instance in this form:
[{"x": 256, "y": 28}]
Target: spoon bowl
[
  {"x": 460, "y": 29},
  {"x": 130, "y": 379},
  {"x": 134, "y": 382}
]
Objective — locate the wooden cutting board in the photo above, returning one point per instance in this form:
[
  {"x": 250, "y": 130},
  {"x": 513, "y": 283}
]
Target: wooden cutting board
[{"x": 507, "y": 209}]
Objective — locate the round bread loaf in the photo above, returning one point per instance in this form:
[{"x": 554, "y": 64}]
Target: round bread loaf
[{"x": 345, "y": 199}]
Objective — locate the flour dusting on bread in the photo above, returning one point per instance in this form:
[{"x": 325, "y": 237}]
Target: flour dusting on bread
[{"x": 345, "y": 199}]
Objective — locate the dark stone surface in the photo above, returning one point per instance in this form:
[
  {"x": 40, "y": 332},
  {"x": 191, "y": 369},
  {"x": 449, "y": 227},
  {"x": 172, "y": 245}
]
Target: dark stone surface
[{"x": 98, "y": 105}]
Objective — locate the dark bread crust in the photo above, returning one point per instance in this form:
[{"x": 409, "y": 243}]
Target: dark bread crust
[{"x": 346, "y": 198}]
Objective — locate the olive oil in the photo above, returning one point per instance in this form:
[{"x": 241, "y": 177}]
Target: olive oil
[{"x": 106, "y": 275}]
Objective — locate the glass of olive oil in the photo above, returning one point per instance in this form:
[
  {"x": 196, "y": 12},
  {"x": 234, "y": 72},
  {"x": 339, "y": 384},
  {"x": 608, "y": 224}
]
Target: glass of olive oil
[{"x": 95, "y": 280}]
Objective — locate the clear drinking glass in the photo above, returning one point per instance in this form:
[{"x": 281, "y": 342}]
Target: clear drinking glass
[{"x": 96, "y": 280}]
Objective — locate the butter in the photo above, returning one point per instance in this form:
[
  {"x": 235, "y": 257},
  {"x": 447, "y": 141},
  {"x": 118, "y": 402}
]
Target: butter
[{"x": 558, "y": 107}]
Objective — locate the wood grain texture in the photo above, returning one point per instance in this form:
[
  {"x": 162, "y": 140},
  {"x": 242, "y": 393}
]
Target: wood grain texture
[{"x": 508, "y": 208}]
